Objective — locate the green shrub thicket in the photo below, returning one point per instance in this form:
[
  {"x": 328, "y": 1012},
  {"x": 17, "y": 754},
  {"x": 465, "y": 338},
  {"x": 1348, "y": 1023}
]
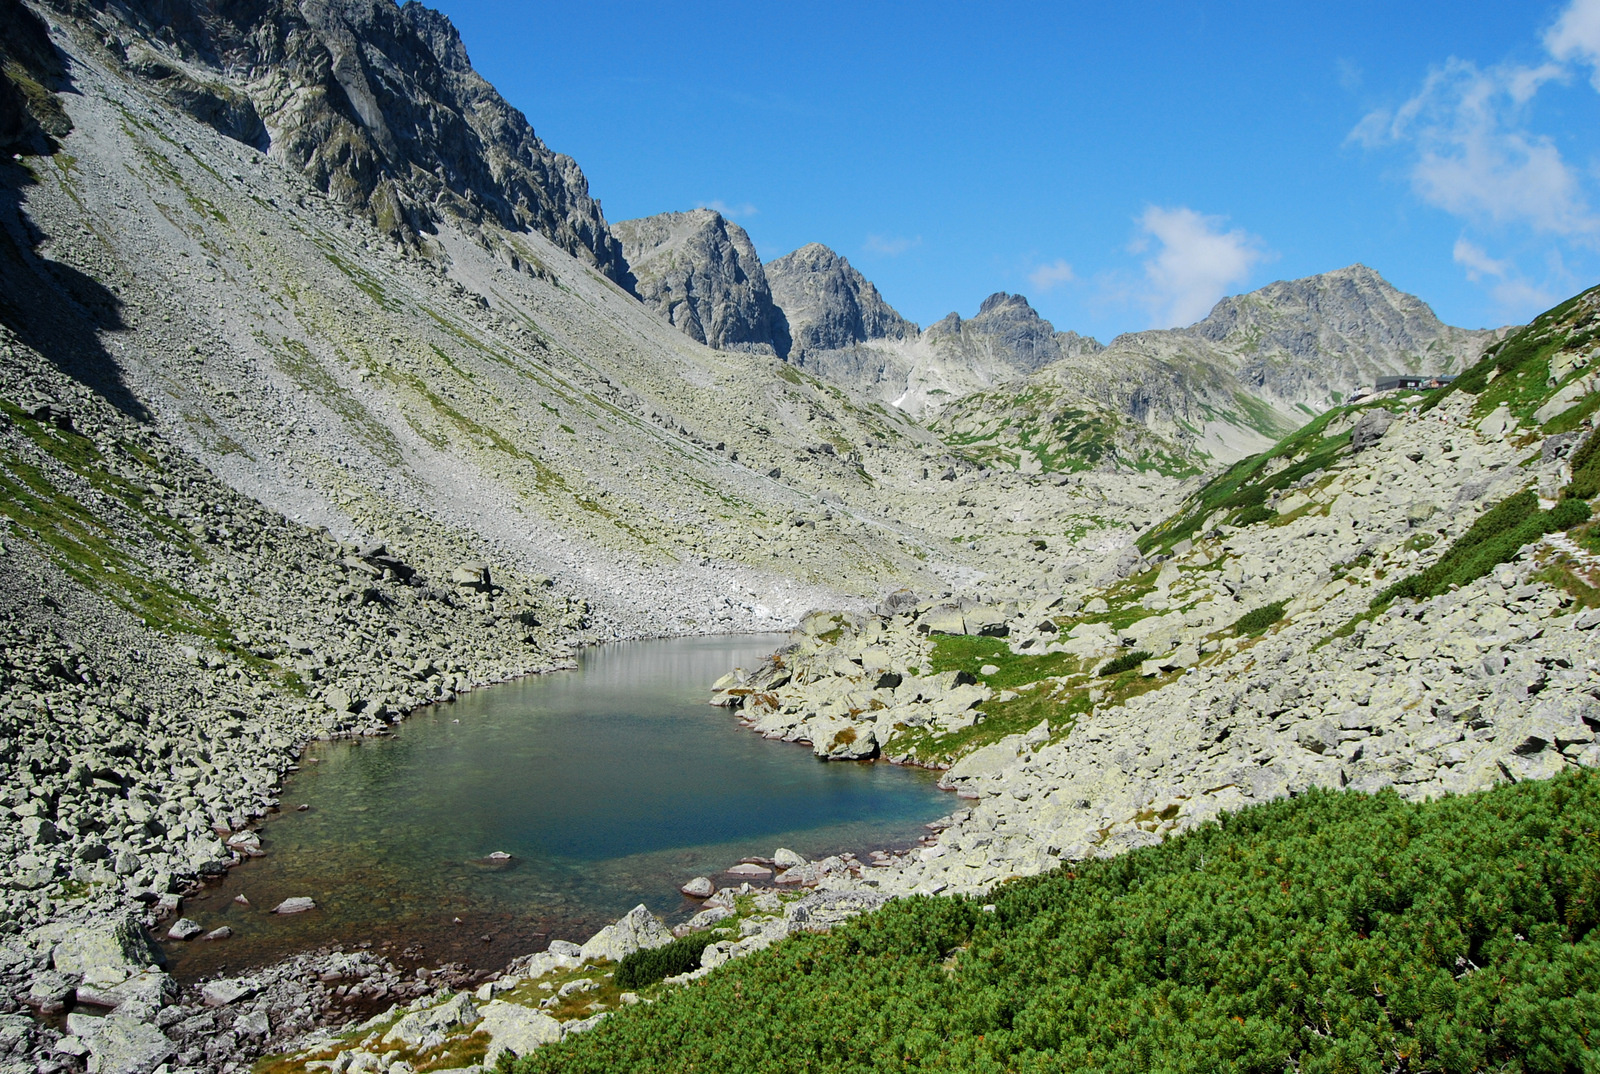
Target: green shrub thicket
[
  {"x": 1329, "y": 933},
  {"x": 646, "y": 966},
  {"x": 1493, "y": 539},
  {"x": 1126, "y": 662},
  {"x": 1259, "y": 619}
]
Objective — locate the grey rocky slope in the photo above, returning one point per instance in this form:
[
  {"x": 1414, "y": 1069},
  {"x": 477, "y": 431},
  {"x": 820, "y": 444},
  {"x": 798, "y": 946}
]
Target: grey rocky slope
[
  {"x": 701, "y": 272},
  {"x": 1495, "y": 678},
  {"x": 1007, "y": 334},
  {"x": 377, "y": 106}
]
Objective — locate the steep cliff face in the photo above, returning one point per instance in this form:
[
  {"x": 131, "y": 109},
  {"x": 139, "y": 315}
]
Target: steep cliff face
[
  {"x": 701, "y": 272},
  {"x": 377, "y": 105}
]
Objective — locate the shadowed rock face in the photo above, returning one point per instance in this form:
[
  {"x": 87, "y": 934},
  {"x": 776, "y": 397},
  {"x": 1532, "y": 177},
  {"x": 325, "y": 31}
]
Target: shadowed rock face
[
  {"x": 701, "y": 272},
  {"x": 829, "y": 305},
  {"x": 377, "y": 105}
]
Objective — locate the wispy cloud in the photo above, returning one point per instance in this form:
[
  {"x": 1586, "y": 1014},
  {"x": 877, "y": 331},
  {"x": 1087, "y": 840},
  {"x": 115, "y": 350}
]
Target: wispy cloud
[
  {"x": 1477, "y": 261},
  {"x": 1515, "y": 297},
  {"x": 1576, "y": 36},
  {"x": 1473, "y": 148},
  {"x": 732, "y": 212},
  {"x": 1350, "y": 74},
  {"x": 890, "y": 245},
  {"x": 1196, "y": 263},
  {"x": 1048, "y": 277},
  {"x": 1474, "y": 156}
]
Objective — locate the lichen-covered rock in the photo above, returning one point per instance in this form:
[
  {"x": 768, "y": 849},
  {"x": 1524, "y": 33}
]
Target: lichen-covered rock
[{"x": 103, "y": 955}]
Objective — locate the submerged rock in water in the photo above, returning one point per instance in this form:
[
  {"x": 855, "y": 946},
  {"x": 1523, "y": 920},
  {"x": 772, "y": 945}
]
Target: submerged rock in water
[
  {"x": 184, "y": 929},
  {"x": 297, "y": 905},
  {"x": 699, "y": 888}
]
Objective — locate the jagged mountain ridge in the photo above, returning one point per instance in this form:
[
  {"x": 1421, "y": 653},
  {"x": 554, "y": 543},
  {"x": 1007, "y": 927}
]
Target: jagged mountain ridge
[
  {"x": 1258, "y": 366},
  {"x": 1180, "y": 399},
  {"x": 378, "y": 106},
  {"x": 830, "y": 306}
]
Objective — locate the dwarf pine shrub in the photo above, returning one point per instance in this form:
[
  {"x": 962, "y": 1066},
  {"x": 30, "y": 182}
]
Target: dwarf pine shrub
[{"x": 1331, "y": 932}]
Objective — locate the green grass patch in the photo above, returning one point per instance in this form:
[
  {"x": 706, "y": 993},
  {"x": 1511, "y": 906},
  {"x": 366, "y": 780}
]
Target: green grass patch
[{"x": 959, "y": 652}]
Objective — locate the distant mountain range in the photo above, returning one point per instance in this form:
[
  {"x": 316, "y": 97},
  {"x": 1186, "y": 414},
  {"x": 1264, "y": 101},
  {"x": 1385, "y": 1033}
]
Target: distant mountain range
[{"x": 1259, "y": 365}]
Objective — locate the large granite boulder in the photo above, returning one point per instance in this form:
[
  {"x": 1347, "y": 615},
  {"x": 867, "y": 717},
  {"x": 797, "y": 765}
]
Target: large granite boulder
[
  {"x": 431, "y": 1026},
  {"x": 516, "y": 1029},
  {"x": 634, "y": 931}
]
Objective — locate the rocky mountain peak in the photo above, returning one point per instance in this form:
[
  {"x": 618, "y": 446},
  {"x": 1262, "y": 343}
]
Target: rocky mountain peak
[
  {"x": 1007, "y": 330},
  {"x": 829, "y": 304},
  {"x": 1303, "y": 339},
  {"x": 377, "y": 105},
  {"x": 1001, "y": 301},
  {"x": 439, "y": 33},
  {"x": 701, "y": 272}
]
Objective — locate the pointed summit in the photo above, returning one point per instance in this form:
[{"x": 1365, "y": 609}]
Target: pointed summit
[
  {"x": 700, "y": 271},
  {"x": 830, "y": 305}
]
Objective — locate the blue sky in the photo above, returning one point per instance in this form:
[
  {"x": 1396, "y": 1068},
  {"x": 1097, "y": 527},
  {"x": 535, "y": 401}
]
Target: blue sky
[{"x": 1123, "y": 165}]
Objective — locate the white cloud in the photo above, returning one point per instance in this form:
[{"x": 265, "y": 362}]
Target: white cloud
[
  {"x": 1048, "y": 277},
  {"x": 732, "y": 212},
  {"x": 1516, "y": 298},
  {"x": 1474, "y": 158},
  {"x": 1576, "y": 36},
  {"x": 1477, "y": 261},
  {"x": 1195, "y": 265},
  {"x": 890, "y": 245}
]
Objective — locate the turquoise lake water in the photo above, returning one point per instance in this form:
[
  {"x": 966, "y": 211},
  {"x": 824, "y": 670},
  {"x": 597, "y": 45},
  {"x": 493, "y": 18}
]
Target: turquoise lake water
[{"x": 609, "y": 786}]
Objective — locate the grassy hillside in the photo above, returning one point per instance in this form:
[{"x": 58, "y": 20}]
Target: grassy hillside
[{"x": 1334, "y": 932}]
